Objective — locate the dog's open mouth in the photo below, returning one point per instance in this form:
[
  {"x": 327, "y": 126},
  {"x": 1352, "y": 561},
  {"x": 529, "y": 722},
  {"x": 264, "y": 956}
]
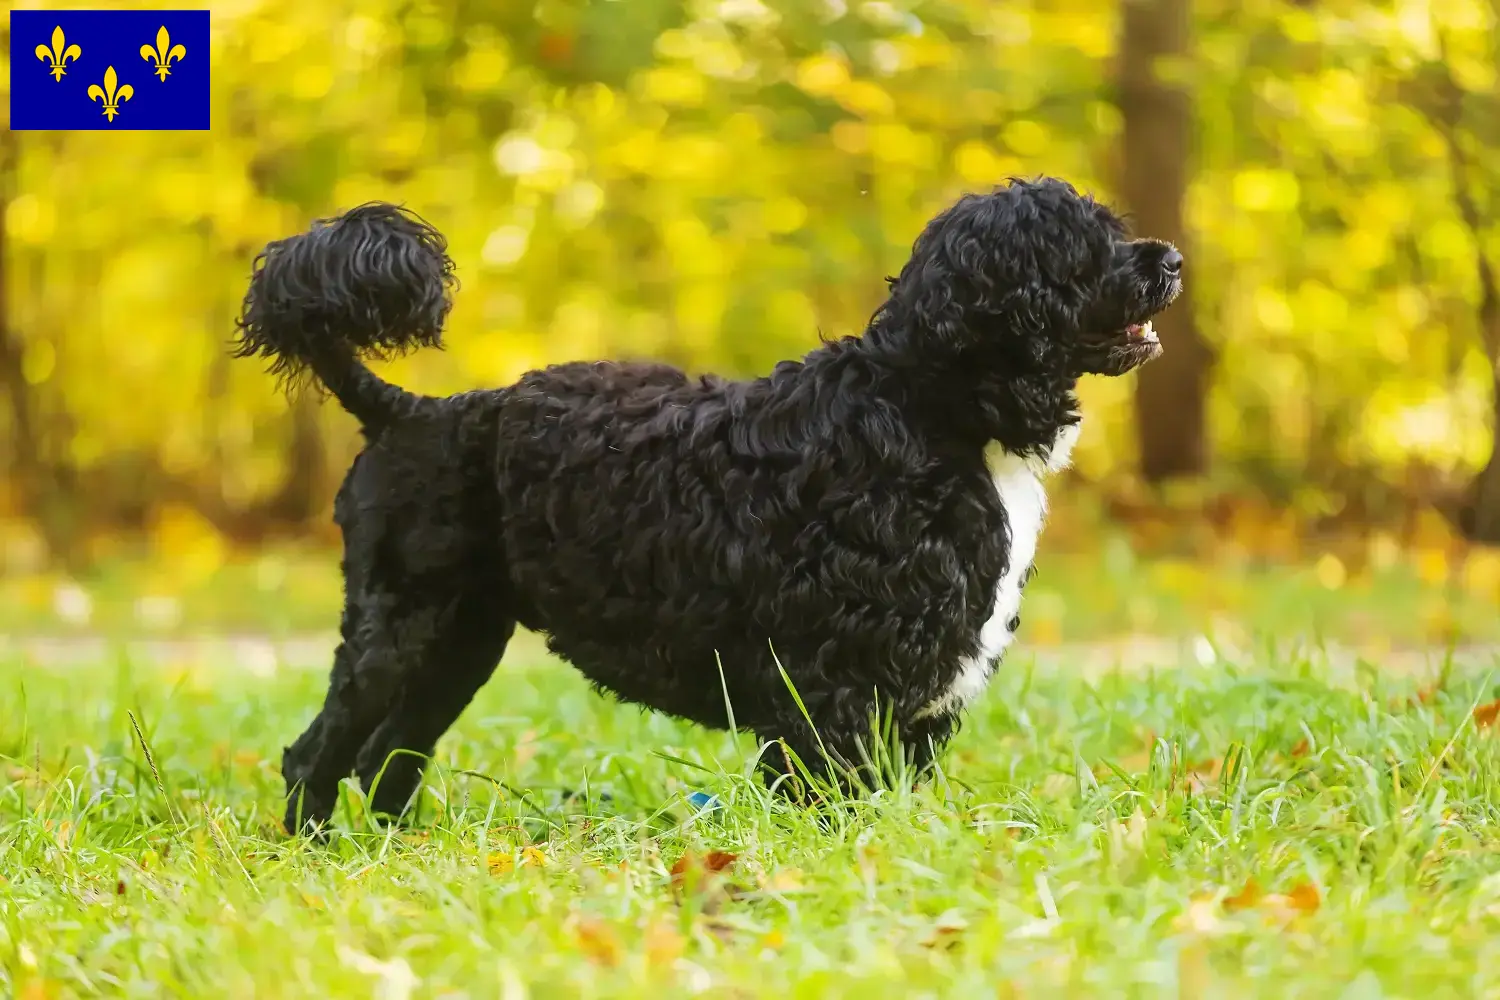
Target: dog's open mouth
[{"x": 1116, "y": 353}]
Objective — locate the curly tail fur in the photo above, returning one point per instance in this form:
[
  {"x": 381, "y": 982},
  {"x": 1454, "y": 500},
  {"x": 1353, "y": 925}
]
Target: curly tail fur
[{"x": 374, "y": 282}]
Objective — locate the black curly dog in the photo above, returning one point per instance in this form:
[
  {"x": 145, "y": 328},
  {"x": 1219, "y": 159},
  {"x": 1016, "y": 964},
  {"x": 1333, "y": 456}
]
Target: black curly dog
[{"x": 863, "y": 518}]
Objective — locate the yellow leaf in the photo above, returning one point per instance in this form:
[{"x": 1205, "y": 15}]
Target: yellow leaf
[
  {"x": 664, "y": 945},
  {"x": 785, "y": 880},
  {"x": 821, "y": 75},
  {"x": 597, "y": 940},
  {"x": 1330, "y": 571},
  {"x": 1202, "y": 917}
]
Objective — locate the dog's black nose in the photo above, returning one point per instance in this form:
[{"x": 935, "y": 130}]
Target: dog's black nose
[{"x": 1171, "y": 262}]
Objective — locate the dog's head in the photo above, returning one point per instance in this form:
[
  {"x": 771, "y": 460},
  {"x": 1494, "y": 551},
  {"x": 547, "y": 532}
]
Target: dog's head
[{"x": 1037, "y": 278}]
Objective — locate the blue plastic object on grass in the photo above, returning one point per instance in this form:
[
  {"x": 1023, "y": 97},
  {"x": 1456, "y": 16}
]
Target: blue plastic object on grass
[{"x": 702, "y": 800}]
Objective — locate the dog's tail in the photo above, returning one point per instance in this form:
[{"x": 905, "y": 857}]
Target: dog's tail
[{"x": 373, "y": 282}]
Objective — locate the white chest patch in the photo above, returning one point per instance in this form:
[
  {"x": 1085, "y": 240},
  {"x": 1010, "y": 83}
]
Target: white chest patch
[{"x": 1018, "y": 481}]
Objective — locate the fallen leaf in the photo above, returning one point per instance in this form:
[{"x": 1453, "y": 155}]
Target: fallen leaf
[
  {"x": 504, "y": 862},
  {"x": 1304, "y": 896},
  {"x": 1210, "y": 768},
  {"x": 1194, "y": 973},
  {"x": 701, "y": 877},
  {"x": 1485, "y": 715},
  {"x": 597, "y": 940},
  {"x": 1244, "y": 899},
  {"x": 947, "y": 931},
  {"x": 526, "y": 748},
  {"x": 38, "y": 989},
  {"x": 1284, "y": 908},
  {"x": 785, "y": 880},
  {"x": 710, "y": 863},
  {"x": 1202, "y": 917},
  {"x": 1302, "y": 749},
  {"x": 664, "y": 945}
]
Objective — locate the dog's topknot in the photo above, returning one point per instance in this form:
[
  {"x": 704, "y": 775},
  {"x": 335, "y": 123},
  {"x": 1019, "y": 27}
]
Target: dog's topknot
[{"x": 375, "y": 281}]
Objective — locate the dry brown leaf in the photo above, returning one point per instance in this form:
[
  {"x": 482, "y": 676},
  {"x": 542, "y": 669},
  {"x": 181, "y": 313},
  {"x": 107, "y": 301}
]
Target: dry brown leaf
[
  {"x": 1302, "y": 749},
  {"x": 1284, "y": 908},
  {"x": 1247, "y": 897},
  {"x": 1304, "y": 897},
  {"x": 702, "y": 878},
  {"x": 1485, "y": 715},
  {"x": 693, "y": 866}
]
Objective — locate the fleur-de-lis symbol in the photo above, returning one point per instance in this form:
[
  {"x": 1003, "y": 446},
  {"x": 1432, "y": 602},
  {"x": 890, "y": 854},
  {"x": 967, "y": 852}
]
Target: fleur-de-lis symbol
[
  {"x": 59, "y": 55},
  {"x": 163, "y": 54},
  {"x": 111, "y": 95}
]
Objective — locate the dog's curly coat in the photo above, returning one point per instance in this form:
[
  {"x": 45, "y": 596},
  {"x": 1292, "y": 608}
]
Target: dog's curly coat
[{"x": 675, "y": 537}]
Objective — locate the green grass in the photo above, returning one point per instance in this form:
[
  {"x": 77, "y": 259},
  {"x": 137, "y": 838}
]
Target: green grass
[{"x": 1083, "y": 841}]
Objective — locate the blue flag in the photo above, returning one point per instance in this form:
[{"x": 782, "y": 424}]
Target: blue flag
[{"x": 109, "y": 69}]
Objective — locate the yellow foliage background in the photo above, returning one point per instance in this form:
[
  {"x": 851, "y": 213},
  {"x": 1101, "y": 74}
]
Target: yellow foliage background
[{"x": 717, "y": 182}]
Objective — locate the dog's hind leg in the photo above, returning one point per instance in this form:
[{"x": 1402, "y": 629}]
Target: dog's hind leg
[
  {"x": 312, "y": 786},
  {"x": 384, "y": 642},
  {"x": 432, "y": 696}
]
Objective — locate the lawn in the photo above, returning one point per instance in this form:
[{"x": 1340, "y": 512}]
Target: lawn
[{"x": 1278, "y": 826}]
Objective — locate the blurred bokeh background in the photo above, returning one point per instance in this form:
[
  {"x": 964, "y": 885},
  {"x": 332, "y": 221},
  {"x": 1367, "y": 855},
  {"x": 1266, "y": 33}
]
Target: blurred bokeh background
[{"x": 716, "y": 182}]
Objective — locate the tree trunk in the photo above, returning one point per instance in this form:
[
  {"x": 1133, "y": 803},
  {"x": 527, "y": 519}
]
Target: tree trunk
[
  {"x": 1480, "y": 521},
  {"x": 300, "y": 496},
  {"x": 41, "y": 484},
  {"x": 1484, "y": 519},
  {"x": 1170, "y": 395},
  {"x": 1486, "y": 516}
]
